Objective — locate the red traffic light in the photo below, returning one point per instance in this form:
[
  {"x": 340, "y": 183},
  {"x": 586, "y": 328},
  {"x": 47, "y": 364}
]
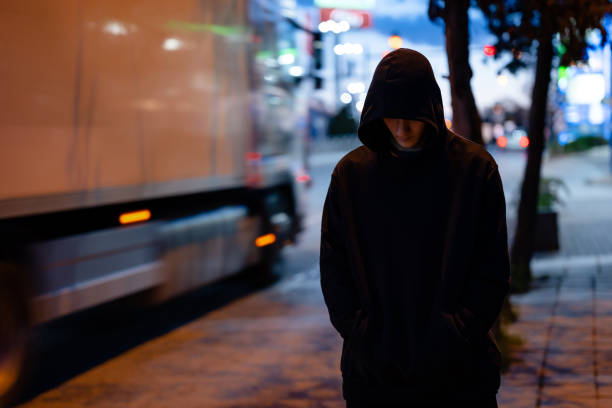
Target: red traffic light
[{"x": 489, "y": 50}]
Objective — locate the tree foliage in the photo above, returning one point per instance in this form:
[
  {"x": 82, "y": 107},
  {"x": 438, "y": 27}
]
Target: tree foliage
[
  {"x": 524, "y": 29},
  {"x": 520, "y": 24}
]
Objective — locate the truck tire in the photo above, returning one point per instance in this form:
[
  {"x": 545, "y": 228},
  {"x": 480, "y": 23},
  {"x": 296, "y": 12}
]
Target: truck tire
[
  {"x": 14, "y": 332},
  {"x": 264, "y": 272}
]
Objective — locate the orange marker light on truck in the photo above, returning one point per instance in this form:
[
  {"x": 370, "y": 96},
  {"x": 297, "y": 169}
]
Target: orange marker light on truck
[
  {"x": 265, "y": 240},
  {"x": 134, "y": 216}
]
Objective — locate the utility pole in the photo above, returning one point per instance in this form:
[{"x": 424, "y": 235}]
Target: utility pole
[
  {"x": 336, "y": 71},
  {"x": 607, "y": 66}
]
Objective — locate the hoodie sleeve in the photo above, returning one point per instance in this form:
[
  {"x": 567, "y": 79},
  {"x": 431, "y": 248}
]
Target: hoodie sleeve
[
  {"x": 488, "y": 283},
  {"x": 336, "y": 283}
]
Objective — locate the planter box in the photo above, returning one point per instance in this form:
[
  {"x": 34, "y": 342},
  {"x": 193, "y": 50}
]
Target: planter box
[{"x": 546, "y": 232}]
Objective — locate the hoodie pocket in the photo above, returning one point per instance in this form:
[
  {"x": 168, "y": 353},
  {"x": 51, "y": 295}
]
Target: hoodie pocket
[
  {"x": 447, "y": 350},
  {"x": 353, "y": 357}
]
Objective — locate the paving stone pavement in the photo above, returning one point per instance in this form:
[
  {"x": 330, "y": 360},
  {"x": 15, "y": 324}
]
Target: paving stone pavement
[{"x": 566, "y": 325}]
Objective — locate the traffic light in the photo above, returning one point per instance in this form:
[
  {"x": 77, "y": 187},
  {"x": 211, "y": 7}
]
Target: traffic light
[
  {"x": 489, "y": 50},
  {"x": 317, "y": 47}
]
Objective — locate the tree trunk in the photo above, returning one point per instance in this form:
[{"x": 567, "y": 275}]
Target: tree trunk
[
  {"x": 522, "y": 248},
  {"x": 466, "y": 119}
]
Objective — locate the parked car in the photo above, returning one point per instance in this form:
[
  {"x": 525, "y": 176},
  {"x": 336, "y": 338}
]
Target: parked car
[{"x": 515, "y": 140}]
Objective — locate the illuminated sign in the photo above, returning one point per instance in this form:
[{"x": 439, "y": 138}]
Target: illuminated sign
[
  {"x": 586, "y": 88},
  {"x": 346, "y": 4},
  {"x": 355, "y": 18}
]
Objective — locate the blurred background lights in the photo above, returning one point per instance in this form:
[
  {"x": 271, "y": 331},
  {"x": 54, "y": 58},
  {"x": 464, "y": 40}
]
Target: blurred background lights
[
  {"x": 596, "y": 114},
  {"x": 502, "y": 80},
  {"x": 296, "y": 71},
  {"x": 356, "y": 49},
  {"x": 348, "y": 48},
  {"x": 565, "y": 138},
  {"x": 586, "y": 88},
  {"x": 395, "y": 42},
  {"x": 286, "y": 59},
  {"x": 334, "y": 26},
  {"x": 115, "y": 28},
  {"x": 355, "y": 87},
  {"x": 344, "y": 26},
  {"x": 172, "y": 44},
  {"x": 359, "y": 105},
  {"x": 572, "y": 115},
  {"x": 346, "y": 97},
  {"x": 489, "y": 50}
]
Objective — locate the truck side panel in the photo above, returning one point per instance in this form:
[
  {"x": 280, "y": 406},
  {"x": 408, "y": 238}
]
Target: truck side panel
[{"x": 115, "y": 94}]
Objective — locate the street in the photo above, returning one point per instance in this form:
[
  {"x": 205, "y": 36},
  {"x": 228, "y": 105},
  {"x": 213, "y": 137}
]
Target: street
[
  {"x": 249, "y": 348},
  {"x": 231, "y": 344}
]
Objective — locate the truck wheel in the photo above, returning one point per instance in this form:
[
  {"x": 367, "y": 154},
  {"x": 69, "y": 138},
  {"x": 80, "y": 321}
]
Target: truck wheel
[
  {"x": 14, "y": 325},
  {"x": 264, "y": 272}
]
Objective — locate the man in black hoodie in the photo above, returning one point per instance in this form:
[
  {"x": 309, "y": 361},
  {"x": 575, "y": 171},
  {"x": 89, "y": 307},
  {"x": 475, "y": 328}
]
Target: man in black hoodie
[{"x": 414, "y": 255}]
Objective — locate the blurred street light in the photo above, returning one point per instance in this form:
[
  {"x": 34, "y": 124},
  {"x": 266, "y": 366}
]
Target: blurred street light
[
  {"x": 334, "y": 26},
  {"x": 356, "y": 87},
  {"x": 395, "y": 42},
  {"x": 296, "y": 71},
  {"x": 348, "y": 48},
  {"x": 172, "y": 44},
  {"x": 359, "y": 105},
  {"x": 346, "y": 97}
]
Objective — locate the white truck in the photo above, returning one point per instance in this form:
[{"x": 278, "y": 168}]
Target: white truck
[{"x": 145, "y": 146}]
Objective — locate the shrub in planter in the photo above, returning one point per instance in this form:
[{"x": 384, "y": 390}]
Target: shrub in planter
[
  {"x": 584, "y": 143},
  {"x": 547, "y": 227}
]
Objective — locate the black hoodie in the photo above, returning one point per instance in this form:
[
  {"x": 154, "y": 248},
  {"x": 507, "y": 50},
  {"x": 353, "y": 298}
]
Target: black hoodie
[{"x": 414, "y": 256}]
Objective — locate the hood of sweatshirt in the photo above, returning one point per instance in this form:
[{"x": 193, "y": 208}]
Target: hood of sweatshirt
[{"x": 403, "y": 86}]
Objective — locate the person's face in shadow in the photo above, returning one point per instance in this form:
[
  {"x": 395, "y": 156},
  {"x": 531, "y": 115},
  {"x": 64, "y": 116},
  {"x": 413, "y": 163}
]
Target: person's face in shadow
[{"x": 406, "y": 133}]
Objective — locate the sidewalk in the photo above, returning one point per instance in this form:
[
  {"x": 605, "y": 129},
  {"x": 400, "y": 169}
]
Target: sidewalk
[
  {"x": 565, "y": 321},
  {"x": 566, "y": 325}
]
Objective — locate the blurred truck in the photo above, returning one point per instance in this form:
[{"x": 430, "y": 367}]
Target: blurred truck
[{"x": 146, "y": 146}]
